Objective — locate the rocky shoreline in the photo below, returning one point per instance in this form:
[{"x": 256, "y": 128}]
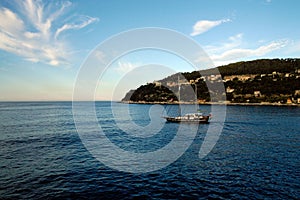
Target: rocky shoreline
[{"x": 214, "y": 103}]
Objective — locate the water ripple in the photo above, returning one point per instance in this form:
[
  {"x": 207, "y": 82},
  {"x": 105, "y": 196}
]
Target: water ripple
[{"x": 42, "y": 157}]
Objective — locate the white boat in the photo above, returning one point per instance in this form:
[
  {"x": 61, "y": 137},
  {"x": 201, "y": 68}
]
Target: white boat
[{"x": 190, "y": 117}]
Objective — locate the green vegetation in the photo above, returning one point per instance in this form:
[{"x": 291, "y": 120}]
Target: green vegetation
[
  {"x": 265, "y": 80},
  {"x": 151, "y": 93},
  {"x": 262, "y": 66}
]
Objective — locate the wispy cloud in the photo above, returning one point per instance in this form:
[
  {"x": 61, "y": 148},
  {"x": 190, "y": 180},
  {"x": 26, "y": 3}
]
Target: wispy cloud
[
  {"x": 233, "y": 42},
  {"x": 242, "y": 53},
  {"x": 294, "y": 48},
  {"x": 233, "y": 50},
  {"x": 28, "y": 30},
  {"x": 85, "y": 20},
  {"x": 100, "y": 56},
  {"x": 124, "y": 67},
  {"x": 205, "y": 25}
]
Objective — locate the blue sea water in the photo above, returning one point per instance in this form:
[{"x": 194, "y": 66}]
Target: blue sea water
[{"x": 43, "y": 157}]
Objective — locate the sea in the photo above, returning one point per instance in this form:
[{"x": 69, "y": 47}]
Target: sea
[{"x": 43, "y": 154}]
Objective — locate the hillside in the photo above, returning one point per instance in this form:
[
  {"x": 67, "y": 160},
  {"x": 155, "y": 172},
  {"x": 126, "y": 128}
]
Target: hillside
[
  {"x": 261, "y": 66},
  {"x": 264, "y": 80}
]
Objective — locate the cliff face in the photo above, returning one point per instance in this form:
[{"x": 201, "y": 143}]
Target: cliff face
[
  {"x": 128, "y": 95},
  {"x": 266, "y": 80}
]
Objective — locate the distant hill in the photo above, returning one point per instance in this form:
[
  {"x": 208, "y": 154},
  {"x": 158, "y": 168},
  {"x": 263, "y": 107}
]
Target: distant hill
[
  {"x": 271, "y": 80},
  {"x": 261, "y": 66}
]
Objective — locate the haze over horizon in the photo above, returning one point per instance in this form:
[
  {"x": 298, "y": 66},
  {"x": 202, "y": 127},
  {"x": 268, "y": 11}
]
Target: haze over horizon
[{"x": 44, "y": 43}]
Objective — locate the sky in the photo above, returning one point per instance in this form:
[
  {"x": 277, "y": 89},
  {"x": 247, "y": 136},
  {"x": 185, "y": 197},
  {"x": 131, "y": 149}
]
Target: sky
[{"x": 44, "y": 44}]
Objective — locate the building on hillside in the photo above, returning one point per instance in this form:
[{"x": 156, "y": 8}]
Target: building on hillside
[
  {"x": 183, "y": 82},
  {"x": 247, "y": 96},
  {"x": 244, "y": 77},
  {"x": 171, "y": 84},
  {"x": 257, "y": 93},
  {"x": 200, "y": 78},
  {"x": 287, "y": 75},
  {"x": 229, "y": 90},
  {"x": 297, "y": 93},
  {"x": 157, "y": 83},
  {"x": 289, "y": 101}
]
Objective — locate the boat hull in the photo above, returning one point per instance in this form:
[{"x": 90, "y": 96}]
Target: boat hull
[{"x": 203, "y": 120}]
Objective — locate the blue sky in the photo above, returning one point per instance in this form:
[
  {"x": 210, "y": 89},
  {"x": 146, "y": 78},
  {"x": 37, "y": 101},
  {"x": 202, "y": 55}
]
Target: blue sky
[{"x": 44, "y": 43}]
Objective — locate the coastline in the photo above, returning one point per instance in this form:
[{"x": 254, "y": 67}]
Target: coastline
[{"x": 214, "y": 103}]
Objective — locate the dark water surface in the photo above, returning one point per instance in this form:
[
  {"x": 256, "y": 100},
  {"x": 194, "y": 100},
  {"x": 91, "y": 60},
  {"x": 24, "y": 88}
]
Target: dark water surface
[{"x": 42, "y": 156}]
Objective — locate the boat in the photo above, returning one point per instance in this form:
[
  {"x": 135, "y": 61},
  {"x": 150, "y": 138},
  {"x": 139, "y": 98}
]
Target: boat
[{"x": 190, "y": 117}]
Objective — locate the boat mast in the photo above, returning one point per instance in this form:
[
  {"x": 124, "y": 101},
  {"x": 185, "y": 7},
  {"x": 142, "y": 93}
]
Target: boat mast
[
  {"x": 196, "y": 95},
  {"x": 178, "y": 89},
  {"x": 179, "y": 111}
]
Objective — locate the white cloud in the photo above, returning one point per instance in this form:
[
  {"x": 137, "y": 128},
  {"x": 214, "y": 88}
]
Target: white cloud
[
  {"x": 233, "y": 42},
  {"x": 124, "y": 67},
  {"x": 100, "y": 56},
  {"x": 34, "y": 60},
  {"x": 205, "y": 25},
  {"x": 31, "y": 35},
  {"x": 234, "y": 50},
  {"x": 237, "y": 54},
  {"x": 29, "y": 32},
  {"x": 294, "y": 48},
  {"x": 84, "y": 22},
  {"x": 10, "y": 23}
]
